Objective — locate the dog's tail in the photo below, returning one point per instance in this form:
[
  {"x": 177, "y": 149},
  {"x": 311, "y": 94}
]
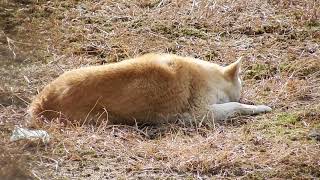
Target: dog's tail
[
  {"x": 40, "y": 105},
  {"x": 35, "y": 108}
]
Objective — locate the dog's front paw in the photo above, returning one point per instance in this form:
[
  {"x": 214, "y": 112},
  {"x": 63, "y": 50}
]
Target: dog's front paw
[{"x": 263, "y": 108}]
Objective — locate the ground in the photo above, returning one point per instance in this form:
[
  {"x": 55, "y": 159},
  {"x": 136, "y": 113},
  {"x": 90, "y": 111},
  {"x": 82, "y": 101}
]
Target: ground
[{"x": 279, "y": 41}]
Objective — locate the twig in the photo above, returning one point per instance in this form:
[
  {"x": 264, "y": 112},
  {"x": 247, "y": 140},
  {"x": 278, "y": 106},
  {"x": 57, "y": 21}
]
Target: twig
[
  {"x": 35, "y": 175},
  {"x": 10, "y": 42},
  {"x": 85, "y": 120}
]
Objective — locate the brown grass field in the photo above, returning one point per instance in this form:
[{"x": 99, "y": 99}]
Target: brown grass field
[{"x": 280, "y": 43}]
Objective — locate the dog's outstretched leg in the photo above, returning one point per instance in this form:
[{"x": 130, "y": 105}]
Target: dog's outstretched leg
[{"x": 226, "y": 110}]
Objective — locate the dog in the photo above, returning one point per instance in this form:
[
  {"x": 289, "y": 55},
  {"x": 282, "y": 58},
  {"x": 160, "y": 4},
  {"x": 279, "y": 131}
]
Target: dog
[{"x": 152, "y": 89}]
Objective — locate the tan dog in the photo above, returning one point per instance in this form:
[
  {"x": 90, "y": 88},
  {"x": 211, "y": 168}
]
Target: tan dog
[{"x": 151, "y": 88}]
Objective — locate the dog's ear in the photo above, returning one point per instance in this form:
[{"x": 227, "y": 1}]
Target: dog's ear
[{"x": 232, "y": 71}]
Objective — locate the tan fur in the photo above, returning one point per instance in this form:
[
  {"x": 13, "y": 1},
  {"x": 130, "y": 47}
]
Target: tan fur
[{"x": 141, "y": 90}]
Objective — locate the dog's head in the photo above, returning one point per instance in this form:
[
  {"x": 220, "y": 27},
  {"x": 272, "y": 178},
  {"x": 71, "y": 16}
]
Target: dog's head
[{"x": 231, "y": 74}]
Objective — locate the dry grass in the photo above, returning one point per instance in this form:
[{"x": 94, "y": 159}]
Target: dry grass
[{"x": 279, "y": 40}]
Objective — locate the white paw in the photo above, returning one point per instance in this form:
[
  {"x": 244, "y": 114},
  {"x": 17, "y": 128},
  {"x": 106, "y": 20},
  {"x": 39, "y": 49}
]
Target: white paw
[{"x": 263, "y": 108}]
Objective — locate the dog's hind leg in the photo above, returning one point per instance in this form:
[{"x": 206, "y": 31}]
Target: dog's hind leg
[{"x": 226, "y": 110}]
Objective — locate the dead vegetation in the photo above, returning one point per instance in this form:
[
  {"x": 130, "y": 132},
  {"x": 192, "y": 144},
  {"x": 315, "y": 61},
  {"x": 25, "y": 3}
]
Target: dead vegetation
[{"x": 279, "y": 40}]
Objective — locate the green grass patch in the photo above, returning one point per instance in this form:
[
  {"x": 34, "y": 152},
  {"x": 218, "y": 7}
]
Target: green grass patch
[
  {"x": 192, "y": 32},
  {"x": 287, "y": 119},
  {"x": 260, "y": 71}
]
